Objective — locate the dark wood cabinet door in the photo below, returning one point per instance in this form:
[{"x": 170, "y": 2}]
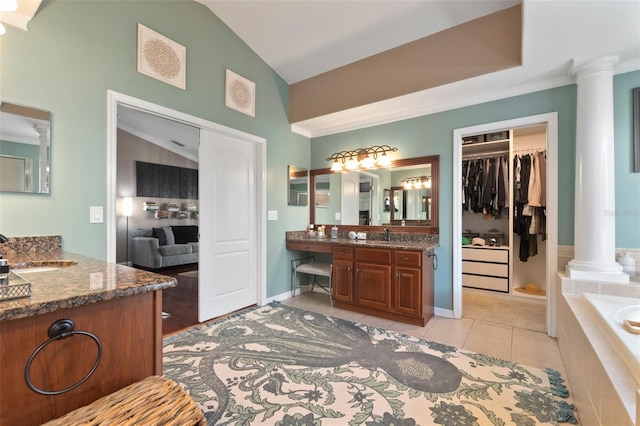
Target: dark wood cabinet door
[
  {"x": 372, "y": 286},
  {"x": 342, "y": 280},
  {"x": 406, "y": 292},
  {"x": 147, "y": 179}
]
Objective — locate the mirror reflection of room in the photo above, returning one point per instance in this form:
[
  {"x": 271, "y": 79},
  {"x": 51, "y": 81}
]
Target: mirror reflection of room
[
  {"x": 24, "y": 149},
  {"x": 298, "y": 184},
  {"x": 379, "y": 197}
]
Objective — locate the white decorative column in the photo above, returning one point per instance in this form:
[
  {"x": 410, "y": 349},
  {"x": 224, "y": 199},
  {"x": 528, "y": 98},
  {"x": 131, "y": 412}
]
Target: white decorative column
[
  {"x": 43, "y": 165},
  {"x": 595, "y": 218}
]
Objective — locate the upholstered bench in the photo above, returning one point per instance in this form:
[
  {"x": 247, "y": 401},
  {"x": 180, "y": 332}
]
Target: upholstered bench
[{"x": 155, "y": 400}]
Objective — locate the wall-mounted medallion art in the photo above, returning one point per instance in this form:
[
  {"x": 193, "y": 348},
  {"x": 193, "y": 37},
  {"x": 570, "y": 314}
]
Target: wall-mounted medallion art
[
  {"x": 240, "y": 94},
  {"x": 161, "y": 58}
]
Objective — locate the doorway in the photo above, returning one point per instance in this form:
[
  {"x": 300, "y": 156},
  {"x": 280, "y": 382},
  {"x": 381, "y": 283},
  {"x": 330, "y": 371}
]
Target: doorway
[
  {"x": 115, "y": 99},
  {"x": 550, "y": 121}
]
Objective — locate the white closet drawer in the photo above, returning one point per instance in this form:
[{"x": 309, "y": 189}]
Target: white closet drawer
[
  {"x": 495, "y": 269},
  {"x": 487, "y": 283},
  {"x": 485, "y": 254}
]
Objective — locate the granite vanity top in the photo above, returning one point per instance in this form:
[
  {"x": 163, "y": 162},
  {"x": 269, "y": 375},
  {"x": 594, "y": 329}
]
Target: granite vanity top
[
  {"x": 77, "y": 280},
  {"x": 402, "y": 242}
]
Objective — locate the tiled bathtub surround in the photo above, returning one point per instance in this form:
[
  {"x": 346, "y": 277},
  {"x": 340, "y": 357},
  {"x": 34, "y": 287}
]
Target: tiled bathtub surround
[{"x": 604, "y": 388}]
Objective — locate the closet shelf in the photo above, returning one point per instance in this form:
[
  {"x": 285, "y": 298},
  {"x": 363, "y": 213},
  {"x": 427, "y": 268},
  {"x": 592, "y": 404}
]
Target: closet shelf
[{"x": 528, "y": 296}]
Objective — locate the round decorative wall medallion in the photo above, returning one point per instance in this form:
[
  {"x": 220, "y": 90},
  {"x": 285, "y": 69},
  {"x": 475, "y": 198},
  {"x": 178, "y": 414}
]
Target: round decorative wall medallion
[
  {"x": 162, "y": 58},
  {"x": 240, "y": 94}
]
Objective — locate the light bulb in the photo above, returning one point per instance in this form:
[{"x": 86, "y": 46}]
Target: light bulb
[
  {"x": 336, "y": 166},
  {"x": 384, "y": 161},
  {"x": 367, "y": 162},
  {"x": 417, "y": 184},
  {"x": 352, "y": 164}
]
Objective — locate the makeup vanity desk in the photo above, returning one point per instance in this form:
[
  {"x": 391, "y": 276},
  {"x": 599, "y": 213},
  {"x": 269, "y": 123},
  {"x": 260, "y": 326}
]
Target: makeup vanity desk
[{"x": 387, "y": 279}]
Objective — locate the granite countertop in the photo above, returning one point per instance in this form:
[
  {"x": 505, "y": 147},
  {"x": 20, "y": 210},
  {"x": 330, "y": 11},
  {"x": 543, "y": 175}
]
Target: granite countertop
[
  {"x": 84, "y": 281},
  {"x": 408, "y": 243}
]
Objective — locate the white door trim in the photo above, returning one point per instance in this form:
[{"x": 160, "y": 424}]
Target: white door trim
[
  {"x": 551, "y": 120},
  {"x": 115, "y": 98}
]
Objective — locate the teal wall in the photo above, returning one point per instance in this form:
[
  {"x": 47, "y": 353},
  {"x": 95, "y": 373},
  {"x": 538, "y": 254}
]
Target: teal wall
[
  {"x": 432, "y": 135},
  {"x": 627, "y": 209},
  {"x": 75, "y": 51}
]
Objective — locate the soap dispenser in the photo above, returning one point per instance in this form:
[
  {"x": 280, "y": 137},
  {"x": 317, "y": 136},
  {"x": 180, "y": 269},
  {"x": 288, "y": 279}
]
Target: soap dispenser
[{"x": 334, "y": 232}]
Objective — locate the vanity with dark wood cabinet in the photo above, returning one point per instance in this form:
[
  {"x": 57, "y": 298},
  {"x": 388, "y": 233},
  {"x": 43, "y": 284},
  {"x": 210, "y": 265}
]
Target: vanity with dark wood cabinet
[{"x": 392, "y": 280}]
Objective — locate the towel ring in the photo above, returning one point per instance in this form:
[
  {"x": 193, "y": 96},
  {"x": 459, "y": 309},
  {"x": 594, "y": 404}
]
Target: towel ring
[{"x": 59, "y": 330}]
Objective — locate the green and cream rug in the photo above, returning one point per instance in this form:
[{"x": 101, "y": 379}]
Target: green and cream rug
[{"x": 278, "y": 365}]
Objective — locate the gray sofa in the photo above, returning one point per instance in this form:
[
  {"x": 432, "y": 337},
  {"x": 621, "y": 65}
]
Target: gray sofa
[{"x": 156, "y": 248}]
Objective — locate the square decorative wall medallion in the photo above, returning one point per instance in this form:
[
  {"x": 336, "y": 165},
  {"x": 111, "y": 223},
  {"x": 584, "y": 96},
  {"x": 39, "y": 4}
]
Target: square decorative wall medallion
[
  {"x": 161, "y": 58},
  {"x": 240, "y": 94}
]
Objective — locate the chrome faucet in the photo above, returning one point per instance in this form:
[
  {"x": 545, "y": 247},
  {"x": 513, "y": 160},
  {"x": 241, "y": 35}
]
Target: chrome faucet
[
  {"x": 387, "y": 234},
  {"x": 3, "y": 239}
]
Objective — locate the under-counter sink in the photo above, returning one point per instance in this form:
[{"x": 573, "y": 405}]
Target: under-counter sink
[{"x": 41, "y": 266}]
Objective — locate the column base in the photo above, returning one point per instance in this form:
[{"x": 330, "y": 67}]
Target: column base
[{"x": 588, "y": 271}]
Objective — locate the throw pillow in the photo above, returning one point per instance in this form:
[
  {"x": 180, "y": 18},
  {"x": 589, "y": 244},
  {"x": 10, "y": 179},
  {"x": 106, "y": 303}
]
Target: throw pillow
[
  {"x": 168, "y": 232},
  {"x": 160, "y": 235},
  {"x": 185, "y": 234}
]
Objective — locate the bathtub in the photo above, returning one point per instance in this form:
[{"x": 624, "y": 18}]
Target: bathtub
[{"x": 610, "y": 312}]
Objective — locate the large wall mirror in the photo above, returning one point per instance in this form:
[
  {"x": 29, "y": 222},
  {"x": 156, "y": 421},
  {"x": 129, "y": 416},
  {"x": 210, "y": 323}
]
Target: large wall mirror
[
  {"x": 25, "y": 149},
  {"x": 404, "y": 195},
  {"x": 298, "y": 185}
]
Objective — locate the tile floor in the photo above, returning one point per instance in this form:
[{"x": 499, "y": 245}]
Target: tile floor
[{"x": 510, "y": 343}]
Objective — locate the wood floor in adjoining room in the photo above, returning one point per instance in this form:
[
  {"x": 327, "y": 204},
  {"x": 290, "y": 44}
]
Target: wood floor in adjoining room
[{"x": 181, "y": 301}]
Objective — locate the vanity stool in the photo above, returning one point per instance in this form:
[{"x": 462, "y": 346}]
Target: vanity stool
[{"x": 309, "y": 266}]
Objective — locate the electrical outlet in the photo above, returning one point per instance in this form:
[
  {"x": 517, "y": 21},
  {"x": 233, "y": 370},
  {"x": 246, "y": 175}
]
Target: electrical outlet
[
  {"x": 272, "y": 215},
  {"x": 361, "y": 236}
]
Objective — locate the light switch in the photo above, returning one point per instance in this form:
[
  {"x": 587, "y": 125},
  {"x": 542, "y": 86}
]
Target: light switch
[
  {"x": 96, "y": 214},
  {"x": 272, "y": 215},
  {"x": 338, "y": 215}
]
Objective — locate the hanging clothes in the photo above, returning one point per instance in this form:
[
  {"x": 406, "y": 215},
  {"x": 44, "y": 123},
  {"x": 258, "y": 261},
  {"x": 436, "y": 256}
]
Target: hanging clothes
[
  {"x": 485, "y": 183},
  {"x": 529, "y": 190}
]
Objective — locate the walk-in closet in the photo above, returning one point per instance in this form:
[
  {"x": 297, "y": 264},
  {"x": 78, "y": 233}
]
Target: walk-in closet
[{"x": 503, "y": 220}]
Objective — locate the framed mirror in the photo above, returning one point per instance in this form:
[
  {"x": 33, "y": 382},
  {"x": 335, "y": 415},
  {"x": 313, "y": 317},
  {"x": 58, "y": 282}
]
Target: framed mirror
[
  {"x": 380, "y": 197},
  {"x": 298, "y": 186},
  {"x": 25, "y": 149}
]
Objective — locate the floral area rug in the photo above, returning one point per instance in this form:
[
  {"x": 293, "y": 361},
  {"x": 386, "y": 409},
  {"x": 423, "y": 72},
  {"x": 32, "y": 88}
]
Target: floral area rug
[{"x": 278, "y": 365}]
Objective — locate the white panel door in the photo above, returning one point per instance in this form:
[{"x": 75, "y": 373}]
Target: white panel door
[
  {"x": 350, "y": 199},
  {"x": 228, "y": 186}
]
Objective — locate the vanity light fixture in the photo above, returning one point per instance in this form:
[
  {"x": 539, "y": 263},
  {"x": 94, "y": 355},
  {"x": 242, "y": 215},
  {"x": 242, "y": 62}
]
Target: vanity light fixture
[
  {"x": 361, "y": 158},
  {"x": 416, "y": 182}
]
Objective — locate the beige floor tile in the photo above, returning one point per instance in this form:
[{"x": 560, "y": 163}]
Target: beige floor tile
[
  {"x": 536, "y": 350},
  {"x": 449, "y": 331},
  {"x": 376, "y": 321},
  {"x": 490, "y": 339},
  {"x": 408, "y": 329}
]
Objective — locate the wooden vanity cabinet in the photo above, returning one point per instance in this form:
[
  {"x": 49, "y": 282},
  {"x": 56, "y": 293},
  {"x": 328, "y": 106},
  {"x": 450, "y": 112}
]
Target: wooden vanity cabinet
[
  {"x": 392, "y": 284},
  {"x": 373, "y": 278},
  {"x": 342, "y": 280}
]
